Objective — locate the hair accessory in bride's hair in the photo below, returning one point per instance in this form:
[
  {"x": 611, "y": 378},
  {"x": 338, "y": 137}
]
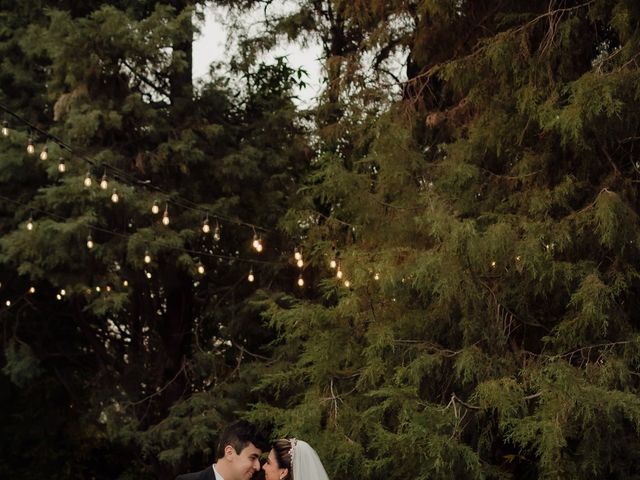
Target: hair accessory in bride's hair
[{"x": 292, "y": 450}]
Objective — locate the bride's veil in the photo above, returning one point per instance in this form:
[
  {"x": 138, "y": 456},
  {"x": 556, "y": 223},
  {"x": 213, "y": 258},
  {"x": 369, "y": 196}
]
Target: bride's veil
[{"x": 305, "y": 462}]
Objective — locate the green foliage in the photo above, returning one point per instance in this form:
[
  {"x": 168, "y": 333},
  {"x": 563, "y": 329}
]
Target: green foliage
[
  {"x": 487, "y": 223},
  {"x": 483, "y": 213},
  {"x": 22, "y": 367},
  {"x": 152, "y": 354}
]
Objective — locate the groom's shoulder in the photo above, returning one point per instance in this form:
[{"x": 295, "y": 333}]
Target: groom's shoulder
[{"x": 201, "y": 475}]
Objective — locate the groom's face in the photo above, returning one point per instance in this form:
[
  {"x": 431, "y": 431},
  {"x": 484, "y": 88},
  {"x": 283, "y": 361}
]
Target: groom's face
[{"x": 246, "y": 463}]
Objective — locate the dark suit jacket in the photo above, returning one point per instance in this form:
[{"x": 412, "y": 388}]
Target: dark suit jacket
[{"x": 206, "y": 474}]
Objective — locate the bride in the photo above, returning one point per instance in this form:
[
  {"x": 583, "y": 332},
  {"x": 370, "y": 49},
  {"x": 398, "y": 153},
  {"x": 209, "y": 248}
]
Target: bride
[{"x": 293, "y": 459}]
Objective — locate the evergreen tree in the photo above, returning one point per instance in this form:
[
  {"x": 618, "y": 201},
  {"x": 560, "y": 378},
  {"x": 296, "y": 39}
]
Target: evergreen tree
[
  {"x": 487, "y": 224},
  {"x": 132, "y": 352}
]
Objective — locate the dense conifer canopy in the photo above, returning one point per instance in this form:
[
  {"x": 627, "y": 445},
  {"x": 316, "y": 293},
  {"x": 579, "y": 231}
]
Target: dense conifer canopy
[{"x": 480, "y": 204}]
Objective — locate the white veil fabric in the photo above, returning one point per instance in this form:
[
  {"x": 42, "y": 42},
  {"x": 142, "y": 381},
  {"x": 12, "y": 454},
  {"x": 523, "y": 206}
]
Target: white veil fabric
[{"x": 305, "y": 463}]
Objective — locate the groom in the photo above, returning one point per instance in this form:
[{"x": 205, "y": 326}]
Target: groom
[{"x": 237, "y": 455}]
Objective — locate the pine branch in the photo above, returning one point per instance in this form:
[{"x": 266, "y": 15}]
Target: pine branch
[
  {"x": 146, "y": 80},
  {"x": 181, "y": 370},
  {"x": 589, "y": 348}
]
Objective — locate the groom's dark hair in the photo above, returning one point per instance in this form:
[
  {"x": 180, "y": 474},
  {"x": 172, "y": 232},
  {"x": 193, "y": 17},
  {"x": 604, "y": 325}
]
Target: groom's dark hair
[{"x": 239, "y": 434}]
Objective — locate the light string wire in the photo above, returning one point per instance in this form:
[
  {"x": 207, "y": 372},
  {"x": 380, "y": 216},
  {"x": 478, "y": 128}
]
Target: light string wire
[
  {"x": 155, "y": 241},
  {"x": 131, "y": 180}
]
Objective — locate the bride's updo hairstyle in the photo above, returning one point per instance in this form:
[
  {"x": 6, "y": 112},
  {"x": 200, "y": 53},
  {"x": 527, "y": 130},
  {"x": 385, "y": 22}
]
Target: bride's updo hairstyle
[{"x": 282, "y": 450}]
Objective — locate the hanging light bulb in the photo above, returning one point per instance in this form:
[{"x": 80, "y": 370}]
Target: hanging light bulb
[
  {"x": 30, "y": 223},
  {"x": 5, "y": 129},
  {"x": 87, "y": 180},
  {"x": 332, "y": 264},
  {"x": 147, "y": 257},
  {"x": 61, "y": 166},
  {"x": 155, "y": 209},
  {"x": 300, "y": 263},
  {"x": 103, "y": 183},
  {"x": 300, "y": 281},
  {"x": 148, "y": 275},
  {"x": 89, "y": 242},
  {"x": 216, "y": 233},
  {"x": 250, "y": 277},
  {"x": 165, "y": 215},
  {"x": 297, "y": 255},
  {"x": 114, "y": 196},
  {"x": 31, "y": 149},
  {"x": 257, "y": 243},
  {"x": 339, "y": 274},
  {"x": 205, "y": 225},
  {"x": 200, "y": 268},
  {"x": 44, "y": 154}
]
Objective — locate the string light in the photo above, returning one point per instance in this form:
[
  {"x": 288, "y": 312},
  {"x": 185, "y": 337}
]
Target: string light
[
  {"x": 297, "y": 255},
  {"x": 31, "y": 149},
  {"x": 518, "y": 258},
  {"x": 8, "y": 303},
  {"x": 63, "y": 292},
  {"x": 165, "y": 215},
  {"x": 108, "y": 288},
  {"x": 125, "y": 283},
  {"x": 347, "y": 283},
  {"x": 30, "y": 223},
  {"x": 98, "y": 289},
  {"x": 376, "y": 276},
  {"x": 493, "y": 264},
  {"x": 155, "y": 209},
  {"x": 103, "y": 184},
  {"x": 339, "y": 273},
  {"x": 148, "y": 275},
  {"x": 32, "y": 290},
  {"x": 147, "y": 257},
  {"x": 300, "y": 281},
  {"x": 6, "y": 131},
  {"x": 250, "y": 277},
  {"x": 332, "y": 264},
  {"x": 257, "y": 243},
  {"x": 300, "y": 263},
  {"x": 200, "y": 268}
]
